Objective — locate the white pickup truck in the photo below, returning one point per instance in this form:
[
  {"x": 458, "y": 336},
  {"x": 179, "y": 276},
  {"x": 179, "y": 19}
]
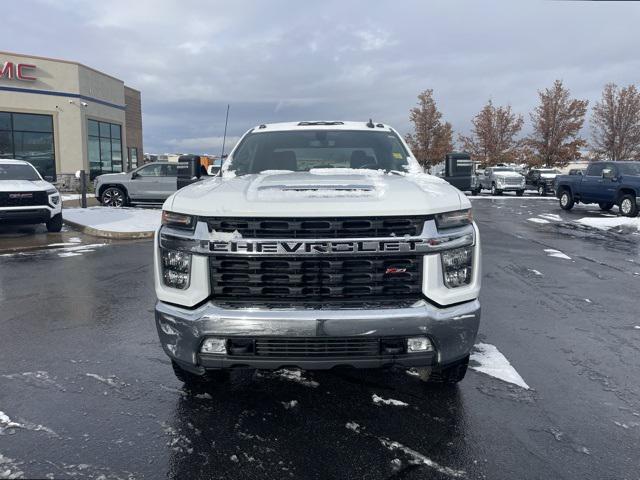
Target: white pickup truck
[{"x": 322, "y": 244}]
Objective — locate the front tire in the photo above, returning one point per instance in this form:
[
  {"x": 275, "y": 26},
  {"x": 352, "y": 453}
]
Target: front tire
[
  {"x": 566, "y": 200},
  {"x": 113, "y": 197},
  {"x": 448, "y": 375},
  {"x": 541, "y": 191},
  {"x": 193, "y": 380},
  {"x": 520, "y": 193},
  {"x": 628, "y": 206},
  {"x": 494, "y": 190},
  {"x": 54, "y": 224},
  {"x": 606, "y": 206}
]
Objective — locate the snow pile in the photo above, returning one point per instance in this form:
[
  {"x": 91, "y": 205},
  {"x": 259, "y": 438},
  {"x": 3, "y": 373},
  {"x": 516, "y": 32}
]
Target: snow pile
[
  {"x": 387, "y": 401},
  {"x": 606, "y": 223},
  {"x": 551, "y": 252},
  {"x": 487, "y": 359},
  {"x": 75, "y": 196},
  {"x": 125, "y": 220},
  {"x": 535, "y": 272}
]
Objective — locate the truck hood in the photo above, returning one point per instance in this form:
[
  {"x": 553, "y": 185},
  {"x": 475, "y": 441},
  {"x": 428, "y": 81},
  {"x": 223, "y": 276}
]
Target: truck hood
[
  {"x": 507, "y": 175},
  {"x": 24, "y": 185},
  {"x": 321, "y": 192},
  {"x": 111, "y": 177}
]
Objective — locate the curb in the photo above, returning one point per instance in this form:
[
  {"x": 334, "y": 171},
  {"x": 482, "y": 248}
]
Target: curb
[{"x": 106, "y": 233}]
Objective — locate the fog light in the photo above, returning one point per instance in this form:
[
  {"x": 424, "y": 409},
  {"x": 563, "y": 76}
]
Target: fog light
[
  {"x": 55, "y": 199},
  {"x": 419, "y": 344},
  {"x": 457, "y": 266},
  {"x": 217, "y": 346}
]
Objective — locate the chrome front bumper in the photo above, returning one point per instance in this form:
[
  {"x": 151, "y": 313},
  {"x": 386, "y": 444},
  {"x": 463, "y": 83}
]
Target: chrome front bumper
[{"x": 452, "y": 331}]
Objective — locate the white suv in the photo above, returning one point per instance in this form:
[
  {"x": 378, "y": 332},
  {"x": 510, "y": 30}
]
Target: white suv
[
  {"x": 322, "y": 244},
  {"x": 25, "y": 198}
]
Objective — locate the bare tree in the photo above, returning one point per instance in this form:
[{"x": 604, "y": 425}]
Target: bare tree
[
  {"x": 493, "y": 135},
  {"x": 557, "y": 121},
  {"x": 432, "y": 138},
  {"x": 615, "y": 123}
]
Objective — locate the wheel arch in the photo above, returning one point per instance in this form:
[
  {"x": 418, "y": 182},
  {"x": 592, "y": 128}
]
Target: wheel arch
[{"x": 622, "y": 191}]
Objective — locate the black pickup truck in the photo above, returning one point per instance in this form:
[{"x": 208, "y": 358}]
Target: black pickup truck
[{"x": 604, "y": 183}]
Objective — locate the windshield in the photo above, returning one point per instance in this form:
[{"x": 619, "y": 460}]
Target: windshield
[
  {"x": 18, "y": 172},
  {"x": 629, "y": 168},
  {"x": 302, "y": 150},
  {"x": 503, "y": 169}
]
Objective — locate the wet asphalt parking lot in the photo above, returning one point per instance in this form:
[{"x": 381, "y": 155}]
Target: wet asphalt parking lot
[{"x": 86, "y": 391}]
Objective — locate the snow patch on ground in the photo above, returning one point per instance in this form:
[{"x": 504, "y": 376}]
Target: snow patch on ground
[
  {"x": 8, "y": 425},
  {"x": 75, "y": 196},
  {"x": 120, "y": 220},
  {"x": 107, "y": 381},
  {"x": 535, "y": 272},
  {"x": 417, "y": 458},
  {"x": 387, "y": 401},
  {"x": 292, "y": 376},
  {"x": 556, "y": 253},
  {"x": 289, "y": 405},
  {"x": 551, "y": 216},
  {"x": 637, "y": 327},
  {"x": 606, "y": 223},
  {"x": 487, "y": 359},
  {"x": 39, "y": 379},
  {"x": 9, "y": 468},
  {"x": 537, "y": 220}
]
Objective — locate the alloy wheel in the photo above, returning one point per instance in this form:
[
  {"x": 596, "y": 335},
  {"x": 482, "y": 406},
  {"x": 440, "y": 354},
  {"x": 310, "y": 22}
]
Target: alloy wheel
[
  {"x": 112, "y": 197},
  {"x": 625, "y": 206}
]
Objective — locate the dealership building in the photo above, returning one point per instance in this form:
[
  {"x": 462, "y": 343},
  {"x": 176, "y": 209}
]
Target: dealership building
[{"x": 63, "y": 116}]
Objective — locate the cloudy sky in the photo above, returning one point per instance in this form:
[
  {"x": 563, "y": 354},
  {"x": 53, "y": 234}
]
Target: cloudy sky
[{"x": 291, "y": 60}]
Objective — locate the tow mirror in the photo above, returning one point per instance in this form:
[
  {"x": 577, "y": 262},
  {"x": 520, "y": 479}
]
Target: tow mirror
[
  {"x": 134, "y": 175},
  {"x": 607, "y": 173}
]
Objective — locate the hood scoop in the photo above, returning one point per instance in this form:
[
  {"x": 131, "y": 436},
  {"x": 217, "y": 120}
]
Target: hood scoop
[{"x": 322, "y": 188}]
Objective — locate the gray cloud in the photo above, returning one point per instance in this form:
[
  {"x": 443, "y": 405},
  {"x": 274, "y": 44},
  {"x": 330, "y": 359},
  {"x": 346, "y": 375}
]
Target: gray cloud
[{"x": 286, "y": 60}]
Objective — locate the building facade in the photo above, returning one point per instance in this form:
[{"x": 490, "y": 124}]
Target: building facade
[{"x": 63, "y": 116}]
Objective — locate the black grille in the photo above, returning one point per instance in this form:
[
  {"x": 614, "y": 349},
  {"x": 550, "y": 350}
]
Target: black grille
[
  {"x": 23, "y": 199},
  {"x": 326, "y": 227},
  {"x": 302, "y": 277},
  {"x": 317, "y": 347}
]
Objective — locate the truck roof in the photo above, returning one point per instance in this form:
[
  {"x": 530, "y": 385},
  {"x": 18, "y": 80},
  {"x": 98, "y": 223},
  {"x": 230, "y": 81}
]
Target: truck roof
[
  {"x": 321, "y": 124},
  {"x": 11, "y": 161}
]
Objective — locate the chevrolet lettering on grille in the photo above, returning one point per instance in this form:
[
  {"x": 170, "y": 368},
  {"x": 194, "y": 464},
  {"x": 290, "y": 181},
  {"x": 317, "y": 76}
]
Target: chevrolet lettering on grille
[{"x": 319, "y": 247}]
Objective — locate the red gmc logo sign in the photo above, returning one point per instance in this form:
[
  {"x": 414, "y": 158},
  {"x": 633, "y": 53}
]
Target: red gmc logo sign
[{"x": 19, "y": 71}]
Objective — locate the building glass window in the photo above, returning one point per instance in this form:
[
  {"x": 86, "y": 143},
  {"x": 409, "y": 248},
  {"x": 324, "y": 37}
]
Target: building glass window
[
  {"x": 28, "y": 136},
  {"x": 105, "y": 148},
  {"x": 133, "y": 158}
]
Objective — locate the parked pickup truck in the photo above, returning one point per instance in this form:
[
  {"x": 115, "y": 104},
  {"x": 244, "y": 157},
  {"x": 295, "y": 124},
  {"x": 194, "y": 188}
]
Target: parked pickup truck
[
  {"x": 541, "y": 179},
  {"x": 604, "y": 183},
  {"x": 322, "y": 244},
  {"x": 500, "y": 179}
]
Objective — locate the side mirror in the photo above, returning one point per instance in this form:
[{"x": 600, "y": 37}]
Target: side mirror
[
  {"x": 134, "y": 175},
  {"x": 607, "y": 173}
]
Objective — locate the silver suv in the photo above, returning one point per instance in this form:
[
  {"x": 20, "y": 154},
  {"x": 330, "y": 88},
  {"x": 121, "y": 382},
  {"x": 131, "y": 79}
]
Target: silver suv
[{"x": 152, "y": 183}]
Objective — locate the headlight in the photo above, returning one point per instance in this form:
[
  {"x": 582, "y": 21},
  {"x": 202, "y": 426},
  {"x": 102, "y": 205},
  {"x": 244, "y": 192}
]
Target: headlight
[
  {"x": 456, "y": 218},
  {"x": 54, "y": 197},
  {"x": 457, "y": 266},
  {"x": 178, "y": 220},
  {"x": 499, "y": 180},
  {"x": 176, "y": 269}
]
